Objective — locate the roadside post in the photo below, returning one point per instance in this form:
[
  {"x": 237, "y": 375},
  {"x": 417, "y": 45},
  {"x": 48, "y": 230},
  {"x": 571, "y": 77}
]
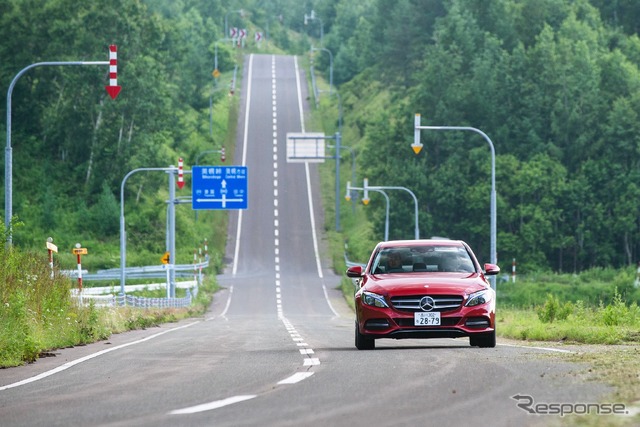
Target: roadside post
[
  {"x": 51, "y": 248},
  {"x": 79, "y": 251}
]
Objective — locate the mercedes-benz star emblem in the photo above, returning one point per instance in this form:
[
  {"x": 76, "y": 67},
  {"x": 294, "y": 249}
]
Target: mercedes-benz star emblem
[{"x": 427, "y": 304}]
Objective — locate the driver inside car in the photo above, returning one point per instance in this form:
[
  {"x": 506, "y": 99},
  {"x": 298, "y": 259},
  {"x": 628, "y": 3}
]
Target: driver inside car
[{"x": 394, "y": 263}]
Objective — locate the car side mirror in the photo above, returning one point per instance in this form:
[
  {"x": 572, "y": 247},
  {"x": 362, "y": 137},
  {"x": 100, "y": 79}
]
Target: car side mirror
[
  {"x": 491, "y": 269},
  {"x": 354, "y": 272}
]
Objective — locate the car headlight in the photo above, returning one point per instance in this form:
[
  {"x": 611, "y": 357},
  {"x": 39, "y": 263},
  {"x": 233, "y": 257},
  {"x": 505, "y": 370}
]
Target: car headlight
[
  {"x": 374, "y": 300},
  {"x": 478, "y": 298}
]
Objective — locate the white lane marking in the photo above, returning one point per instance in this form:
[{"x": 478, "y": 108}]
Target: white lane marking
[
  {"x": 310, "y": 198},
  {"x": 212, "y": 405},
  {"x": 226, "y": 307},
  {"x": 295, "y": 378},
  {"x": 312, "y": 361},
  {"x": 300, "y": 110},
  {"x": 295, "y": 336},
  {"x": 244, "y": 163},
  {"x": 326, "y": 296},
  {"x": 313, "y": 221},
  {"x": 557, "y": 350},
  {"x": 89, "y": 357}
]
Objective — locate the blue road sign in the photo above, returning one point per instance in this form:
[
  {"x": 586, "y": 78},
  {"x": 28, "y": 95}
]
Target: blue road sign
[{"x": 219, "y": 187}]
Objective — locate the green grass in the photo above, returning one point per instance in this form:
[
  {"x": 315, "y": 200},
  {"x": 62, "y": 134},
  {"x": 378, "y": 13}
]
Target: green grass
[
  {"x": 522, "y": 324},
  {"x": 38, "y": 314}
]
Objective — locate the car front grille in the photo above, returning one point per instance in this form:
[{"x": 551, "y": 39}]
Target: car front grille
[{"x": 443, "y": 303}]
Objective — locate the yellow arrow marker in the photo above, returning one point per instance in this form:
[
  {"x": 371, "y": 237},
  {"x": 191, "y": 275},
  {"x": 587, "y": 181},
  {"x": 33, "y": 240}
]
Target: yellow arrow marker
[
  {"x": 416, "y": 148},
  {"x": 365, "y": 201},
  {"x": 216, "y": 73},
  {"x": 165, "y": 258}
]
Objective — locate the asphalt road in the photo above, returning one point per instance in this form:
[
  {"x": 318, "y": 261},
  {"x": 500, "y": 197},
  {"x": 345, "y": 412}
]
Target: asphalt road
[{"x": 277, "y": 347}]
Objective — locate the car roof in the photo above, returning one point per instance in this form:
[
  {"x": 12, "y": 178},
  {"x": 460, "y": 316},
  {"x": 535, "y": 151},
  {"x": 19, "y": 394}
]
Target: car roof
[{"x": 420, "y": 242}]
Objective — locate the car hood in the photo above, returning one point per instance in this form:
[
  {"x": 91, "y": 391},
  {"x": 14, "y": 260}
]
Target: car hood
[{"x": 433, "y": 283}]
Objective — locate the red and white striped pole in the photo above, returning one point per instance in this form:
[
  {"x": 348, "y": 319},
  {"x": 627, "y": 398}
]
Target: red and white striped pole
[
  {"x": 513, "y": 271},
  {"x": 180, "y": 173},
  {"x": 113, "y": 89}
]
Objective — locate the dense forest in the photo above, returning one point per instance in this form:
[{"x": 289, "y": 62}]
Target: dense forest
[
  {"x": 555, "y": 86},
  {"x": 554, "y": 83}
]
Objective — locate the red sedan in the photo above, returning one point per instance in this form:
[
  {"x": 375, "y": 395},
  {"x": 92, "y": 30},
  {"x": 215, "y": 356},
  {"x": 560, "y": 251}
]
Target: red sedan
[{"x": 424, "y": 289}]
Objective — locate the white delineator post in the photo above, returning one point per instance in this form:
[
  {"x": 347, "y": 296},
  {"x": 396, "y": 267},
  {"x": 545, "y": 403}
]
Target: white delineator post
[{"x": 195, "y": 265}]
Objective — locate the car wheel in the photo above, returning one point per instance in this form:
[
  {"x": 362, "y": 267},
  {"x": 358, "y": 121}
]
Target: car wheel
[
  {"x": 363, "y": 342},
  {"x": 487, "y": 340}
]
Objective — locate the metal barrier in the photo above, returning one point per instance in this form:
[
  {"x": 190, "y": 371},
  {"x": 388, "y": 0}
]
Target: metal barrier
[
  {"x": 352, "y": 263},
  {"x": 150, "y": 271},
  {"x": 133, "y": 301}
]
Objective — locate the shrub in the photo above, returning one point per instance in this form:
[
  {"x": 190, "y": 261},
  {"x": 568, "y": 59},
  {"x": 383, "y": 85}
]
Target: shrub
[{"x": 552, "y": 310}]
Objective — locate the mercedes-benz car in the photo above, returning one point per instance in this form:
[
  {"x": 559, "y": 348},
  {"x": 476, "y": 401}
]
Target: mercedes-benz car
[{"x": 424, "y": 289}]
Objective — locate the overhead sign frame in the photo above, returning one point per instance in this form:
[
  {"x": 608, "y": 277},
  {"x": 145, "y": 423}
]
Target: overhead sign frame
[{"x": 306, "y": 147}]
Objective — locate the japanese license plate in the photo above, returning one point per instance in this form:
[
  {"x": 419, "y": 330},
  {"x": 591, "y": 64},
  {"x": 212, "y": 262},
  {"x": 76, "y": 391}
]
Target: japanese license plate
[{"x": 423, "y": 318}]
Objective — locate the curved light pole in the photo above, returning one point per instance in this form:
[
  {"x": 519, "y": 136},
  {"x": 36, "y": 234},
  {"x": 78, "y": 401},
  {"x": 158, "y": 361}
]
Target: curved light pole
[
  {"x": 123, "y": 239},
  {"x": 324, "y": 49},
  {"x": 415, "y": 200},
  {"x": 417, "y": 146},
  {"x": 366, "y": 201},
  {"x": 202, "y": 153},
  {"x": 8, "y": 159}
]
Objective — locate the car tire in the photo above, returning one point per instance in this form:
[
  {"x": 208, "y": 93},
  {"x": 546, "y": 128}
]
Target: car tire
[
  {"x": 487, "y": 340},
  {"x": 363, "y": 342}
]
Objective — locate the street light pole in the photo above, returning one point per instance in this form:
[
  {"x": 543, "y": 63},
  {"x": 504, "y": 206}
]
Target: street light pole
[
  {"x": 123, "y": 239},
  {"x": 417, "y": 146},
  {"x": 330, "y": 66},
  {"x": 415, "y": 201},
  {"x": 366, "y": 201},
  {"x": 8, "y": 162}
]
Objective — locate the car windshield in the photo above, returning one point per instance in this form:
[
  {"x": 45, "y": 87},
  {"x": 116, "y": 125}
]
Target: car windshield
[{"x": 428, "y": 258}]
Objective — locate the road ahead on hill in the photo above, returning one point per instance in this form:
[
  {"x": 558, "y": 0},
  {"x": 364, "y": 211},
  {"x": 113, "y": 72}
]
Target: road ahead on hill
[{"x": 277, "y": 347}]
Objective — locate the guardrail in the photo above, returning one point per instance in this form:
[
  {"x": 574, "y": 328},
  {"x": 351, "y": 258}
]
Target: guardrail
[
  {"x": 146, "y": 272},
  {"x": 101, "y": 297},
  {"x": 133, "y": 301},
  {"x": 95, "y": 295},
  {"x": 352, "y": 263}
]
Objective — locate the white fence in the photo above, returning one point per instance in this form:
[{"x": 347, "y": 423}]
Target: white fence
[{"x": 100, "y": 298}]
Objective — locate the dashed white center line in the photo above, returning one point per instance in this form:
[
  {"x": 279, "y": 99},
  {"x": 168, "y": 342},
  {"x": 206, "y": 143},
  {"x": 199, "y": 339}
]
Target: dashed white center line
[{"x": 295, "y": 336}]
